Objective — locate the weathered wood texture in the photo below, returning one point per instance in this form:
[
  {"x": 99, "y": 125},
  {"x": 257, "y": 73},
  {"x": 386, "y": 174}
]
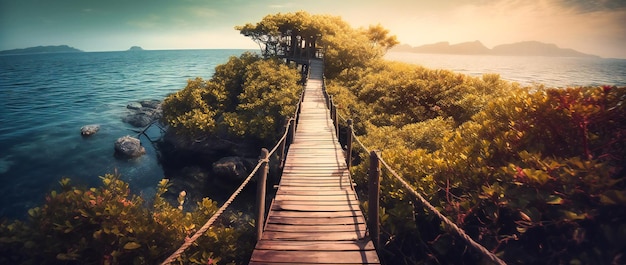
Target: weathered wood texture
[{"x": 315, "y": 217}]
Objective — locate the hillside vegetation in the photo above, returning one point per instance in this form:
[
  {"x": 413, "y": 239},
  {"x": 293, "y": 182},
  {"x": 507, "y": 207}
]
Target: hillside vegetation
[{"x": 534, "y": 174}]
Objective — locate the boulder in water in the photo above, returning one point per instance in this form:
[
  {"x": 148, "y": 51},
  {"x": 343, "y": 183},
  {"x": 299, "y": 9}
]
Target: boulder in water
[
  {"x": 89, "y": 130},
  {"x": 129, "y": 147},
  {"x": 142, "y": 113},
  {"x": 134, "y": 105},
  {"x": 151, "y": 103},
  {"x": 138, "y": 119}
]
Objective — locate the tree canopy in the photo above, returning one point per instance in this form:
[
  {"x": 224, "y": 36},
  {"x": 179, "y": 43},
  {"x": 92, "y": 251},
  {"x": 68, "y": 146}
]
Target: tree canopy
[
  {"x": 344, "y": 47},
  {"x": 247, "y": 96}
]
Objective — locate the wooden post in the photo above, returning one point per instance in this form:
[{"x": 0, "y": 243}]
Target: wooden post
[
  {"x": 336, "y": 123},
  {"x": 349, "y": 144},
  {"x": 260, "y": 193},
  {"x": 283, "y": 145},
  {"x": 333, "y": 116},
  {"x": 292, "y": 130},
  {"x": 329, "y": 99},
  {"x": 331, "y": 106},
  {"x": 374, "y": 198}
]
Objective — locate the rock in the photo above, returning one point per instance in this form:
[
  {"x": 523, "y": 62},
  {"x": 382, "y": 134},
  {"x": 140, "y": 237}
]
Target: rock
[
  {"x": 233, "y": 168},
  {"x": 138, "y": 119},
  {"x": 152, "y": 104},
  {"x": 89, "y": 130},
  {"x": 143, "y": 112},
  {"x": 134, "y": 105},
  {"x": 129, "y": 147}
]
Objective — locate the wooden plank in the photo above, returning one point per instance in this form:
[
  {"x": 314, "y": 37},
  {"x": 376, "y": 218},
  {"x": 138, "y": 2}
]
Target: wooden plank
[
  {"x": 354, "y": 203},
  {"x": 315, "y": 245},
  {"x": 315, "y": 193},
  {"x": 300, "y": 197},
  {"x": 277, "y": 206},
  {"x": 345, "y": 181},
  {"x": 340, "y": 171},
  {"x": 315, "y": 183},
  {"x": 307, "y": 236},
  {"x": 315, "y": 228},
  {"x": 312, "y": 180},
  {"x": 316, "y": 221},
  {"x": 328, "y": 257},
  {"x": 313, "y": 214},
  {"x": 336, "y": 185}
]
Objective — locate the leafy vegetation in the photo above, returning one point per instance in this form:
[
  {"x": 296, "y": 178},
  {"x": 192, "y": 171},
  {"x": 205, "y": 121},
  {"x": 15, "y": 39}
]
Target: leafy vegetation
[
  {"x": 534, "y": 174},
  {"x": 246, "y": 97},
  {"x": 344, "y": 47},
  {"x": 107, "y": 225}
]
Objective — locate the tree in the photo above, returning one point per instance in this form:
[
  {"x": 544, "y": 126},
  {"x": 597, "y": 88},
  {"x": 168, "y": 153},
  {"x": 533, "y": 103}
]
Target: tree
[
  {"x": 379, "y": 37},
  {"x": 344, "y": 48},
  {"x": 246, "y": 97}
]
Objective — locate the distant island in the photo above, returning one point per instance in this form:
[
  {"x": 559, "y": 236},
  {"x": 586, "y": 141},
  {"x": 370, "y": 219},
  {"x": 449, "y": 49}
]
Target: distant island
[
  {"x": 526, "y": 48},
  {"x": 135, "y": 48},
  {"x": 42, "y": 49}
]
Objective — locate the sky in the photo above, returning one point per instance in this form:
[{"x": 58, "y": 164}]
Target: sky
[{"x": 595, "y": 27}]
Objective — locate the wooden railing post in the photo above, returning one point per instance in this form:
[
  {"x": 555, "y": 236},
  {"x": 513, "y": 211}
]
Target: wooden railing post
[
  {"x": 328, "y": 99},
  {"x": 374, "y": 198},
  {"x": 292, "y": 130},
  {"x": 260, "y": 193},
  {"x": 283, "y": 145},
  {"x": 333, "y": 115},
  {"x": 349, "y": 144}
]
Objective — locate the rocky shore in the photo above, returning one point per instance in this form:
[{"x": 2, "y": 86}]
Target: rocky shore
[
  {"x": 205, "y": 167},
  {"x": 202, "y": 167}
]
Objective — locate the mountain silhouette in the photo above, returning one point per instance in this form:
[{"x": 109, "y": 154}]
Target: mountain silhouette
[
  {"x": 42, "y": 49},
  {"x": 525, "y": 48}
]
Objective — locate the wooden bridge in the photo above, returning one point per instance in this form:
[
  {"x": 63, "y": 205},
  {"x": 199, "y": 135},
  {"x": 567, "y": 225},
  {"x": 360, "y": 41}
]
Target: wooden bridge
[{"x": 315, "y": 217}]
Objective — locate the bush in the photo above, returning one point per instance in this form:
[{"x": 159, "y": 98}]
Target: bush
[
  {"x": 534, "y": 174},
  {"x": 106, "y": 225},
  {"x": 248, "y": 96}
]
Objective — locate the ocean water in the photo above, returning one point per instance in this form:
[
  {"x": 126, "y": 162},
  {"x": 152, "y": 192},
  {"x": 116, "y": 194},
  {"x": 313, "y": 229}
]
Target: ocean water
[
  {"x": 527, "y": 70},
  {"x": 46, "y": 98}
]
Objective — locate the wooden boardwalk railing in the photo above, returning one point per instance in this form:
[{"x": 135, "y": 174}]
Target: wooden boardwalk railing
[{"x": 315, "y": 217}]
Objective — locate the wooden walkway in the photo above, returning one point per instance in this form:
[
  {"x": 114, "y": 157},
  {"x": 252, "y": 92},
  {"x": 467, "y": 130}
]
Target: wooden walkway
[{"x": 315, "y": 217}]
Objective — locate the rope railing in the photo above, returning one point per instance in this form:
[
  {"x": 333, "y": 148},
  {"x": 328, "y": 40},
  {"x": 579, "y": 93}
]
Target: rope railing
[
  {"x": 460, "y": 232},
  {"x": 374, "y": 184},
  {"x": 207, "y": 225},
  {"x": 263, "y": 161}
]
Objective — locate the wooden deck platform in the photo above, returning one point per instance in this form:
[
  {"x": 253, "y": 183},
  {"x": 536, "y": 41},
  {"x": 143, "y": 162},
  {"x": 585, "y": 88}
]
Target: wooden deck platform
[{"x": 315, "y": 217}]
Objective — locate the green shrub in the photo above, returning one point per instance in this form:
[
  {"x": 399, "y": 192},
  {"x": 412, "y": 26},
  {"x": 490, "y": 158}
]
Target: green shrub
[
  {"x": 107, "y": 225},
  {"x": 247, "y": 97},
  {"x": 534, "y": 174}
]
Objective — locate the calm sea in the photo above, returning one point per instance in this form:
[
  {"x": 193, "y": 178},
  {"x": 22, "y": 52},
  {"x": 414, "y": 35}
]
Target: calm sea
[
  {"x": 46, "y": 98},
  {"x": 527, "y": 70}
]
